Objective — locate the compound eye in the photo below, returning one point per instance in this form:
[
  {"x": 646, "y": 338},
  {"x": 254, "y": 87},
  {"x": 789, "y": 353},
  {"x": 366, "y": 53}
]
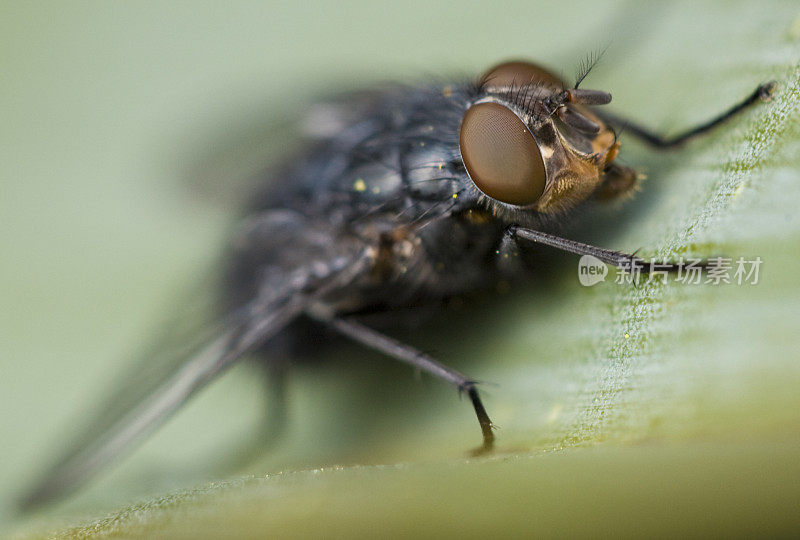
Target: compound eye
[
  {"x": 519, "y": 74},
  {"x": 500, "y": 154}
]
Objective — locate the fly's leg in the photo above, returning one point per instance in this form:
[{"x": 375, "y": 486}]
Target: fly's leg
[
  {"x": 360, "y": 333},
  {"x": 762, "y": 93},
  {"x": 274, "y": 422},
  {"x": 618, "y": 180},
  {"x": 275, "y": 381},
  {"x": 627, "y": 261}
]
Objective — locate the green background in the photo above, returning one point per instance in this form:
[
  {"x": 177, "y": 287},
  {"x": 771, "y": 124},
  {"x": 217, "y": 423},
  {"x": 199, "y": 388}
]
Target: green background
[{"x": 125, "y": 130}]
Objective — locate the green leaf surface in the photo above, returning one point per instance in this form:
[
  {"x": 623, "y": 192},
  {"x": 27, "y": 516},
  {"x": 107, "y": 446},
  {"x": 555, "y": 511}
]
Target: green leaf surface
[{"x": 661, "y": 409}]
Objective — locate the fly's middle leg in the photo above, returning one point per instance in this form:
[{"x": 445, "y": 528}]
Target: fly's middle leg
[{"x": 365, "y": 335}]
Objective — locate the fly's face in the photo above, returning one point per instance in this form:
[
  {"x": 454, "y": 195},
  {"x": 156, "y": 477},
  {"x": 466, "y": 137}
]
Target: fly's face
[{"x": 530, "y": 143}]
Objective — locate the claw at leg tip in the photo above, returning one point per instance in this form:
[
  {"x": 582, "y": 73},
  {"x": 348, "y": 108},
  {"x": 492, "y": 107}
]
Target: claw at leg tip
[{"x": 767, "y": 90}]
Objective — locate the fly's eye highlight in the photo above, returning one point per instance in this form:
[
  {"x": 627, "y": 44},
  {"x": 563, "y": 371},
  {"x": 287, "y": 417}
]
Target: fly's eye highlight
[
  {"x": 500, "y": 155},
  {"x": 519, "y": 74}
]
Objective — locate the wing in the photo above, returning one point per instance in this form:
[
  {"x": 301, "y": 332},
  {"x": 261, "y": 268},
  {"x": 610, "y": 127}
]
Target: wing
[
  {"x": 172, "y": 374},
  {"x": 241, "y": 153}
]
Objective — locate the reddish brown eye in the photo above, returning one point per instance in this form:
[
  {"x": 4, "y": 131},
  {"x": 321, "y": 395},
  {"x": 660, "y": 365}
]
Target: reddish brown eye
[
  {"x": 500, "y": 155},
  {"x": 519, "y": 74}
]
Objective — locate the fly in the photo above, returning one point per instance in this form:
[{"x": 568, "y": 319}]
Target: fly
[{"x": 402, "y": 197}]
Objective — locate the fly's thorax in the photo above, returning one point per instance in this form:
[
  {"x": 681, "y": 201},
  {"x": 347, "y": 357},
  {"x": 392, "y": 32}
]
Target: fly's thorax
[{"x": 445, "y": 256}]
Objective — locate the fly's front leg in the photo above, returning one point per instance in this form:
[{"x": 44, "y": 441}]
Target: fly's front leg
[
  {"x": 627, "y": 261},
  {"x": 618, "y": 180},
  {"x": 762, "y": 93},
  {"x": 360, "y": 333}
]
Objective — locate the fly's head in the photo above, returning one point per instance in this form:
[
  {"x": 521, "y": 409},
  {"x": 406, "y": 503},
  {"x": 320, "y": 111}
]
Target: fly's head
[{"x": 531, "y": 144}]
